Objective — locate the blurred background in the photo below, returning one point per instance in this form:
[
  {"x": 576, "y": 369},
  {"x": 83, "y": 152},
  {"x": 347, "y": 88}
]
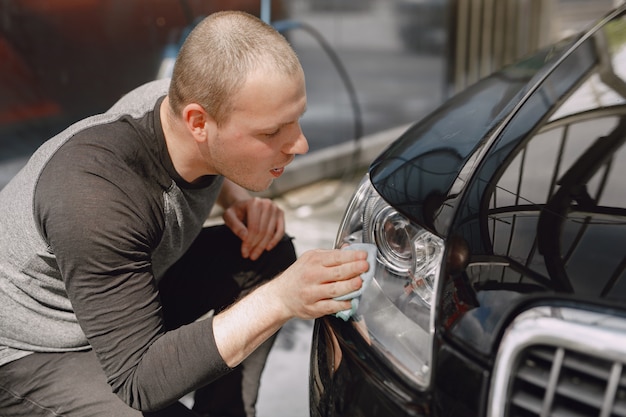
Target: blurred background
[{"x": 370, "y": 65}]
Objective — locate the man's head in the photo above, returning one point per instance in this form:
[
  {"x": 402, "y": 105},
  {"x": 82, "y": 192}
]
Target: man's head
[
  {"x": 219, "y": 54},
  {"x": 236, "y": 98}
]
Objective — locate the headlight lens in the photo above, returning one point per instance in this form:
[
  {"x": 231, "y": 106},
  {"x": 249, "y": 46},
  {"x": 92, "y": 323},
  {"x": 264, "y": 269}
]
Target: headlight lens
[{"x": 396, "y": 312}]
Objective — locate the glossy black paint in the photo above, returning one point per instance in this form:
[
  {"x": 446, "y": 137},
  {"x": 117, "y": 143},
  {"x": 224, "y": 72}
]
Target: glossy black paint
[
  {"x": 521, "y": 173},
  {"x": 358, "y": 382},
  {"x": 416, "y": 173}
]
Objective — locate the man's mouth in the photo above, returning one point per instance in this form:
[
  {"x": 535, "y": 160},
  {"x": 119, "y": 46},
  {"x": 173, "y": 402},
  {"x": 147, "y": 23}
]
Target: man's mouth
[{"x": 277, "y": 172}]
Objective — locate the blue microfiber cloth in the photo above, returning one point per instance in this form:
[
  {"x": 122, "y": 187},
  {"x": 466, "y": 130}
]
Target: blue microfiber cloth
[{"x": 367, "y": 276}]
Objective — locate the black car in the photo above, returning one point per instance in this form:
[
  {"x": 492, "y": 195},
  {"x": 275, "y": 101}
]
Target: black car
[{"x": 500, "y": 224}]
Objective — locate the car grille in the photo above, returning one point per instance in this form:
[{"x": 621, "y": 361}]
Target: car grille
[
  {"x": 566, "y": 383},
  {"x": 557, "y": 362}
]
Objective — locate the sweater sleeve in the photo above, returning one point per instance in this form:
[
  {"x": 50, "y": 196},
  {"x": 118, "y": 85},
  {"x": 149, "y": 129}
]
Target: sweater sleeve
[{"x": 101, "y": 221}]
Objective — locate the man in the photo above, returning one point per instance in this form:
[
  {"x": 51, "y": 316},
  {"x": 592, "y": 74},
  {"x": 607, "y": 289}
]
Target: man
[{"x": 114, "y": 300}]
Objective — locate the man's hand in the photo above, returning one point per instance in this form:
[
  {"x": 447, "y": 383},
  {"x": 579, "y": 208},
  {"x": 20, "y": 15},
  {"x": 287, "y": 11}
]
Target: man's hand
[
  {"x": 259, "y": 223},
  {"x": 308, "y": 287},
  {"x": 305, "y": 290}
]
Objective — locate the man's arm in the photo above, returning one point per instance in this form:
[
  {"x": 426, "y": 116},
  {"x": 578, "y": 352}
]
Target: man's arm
[
  {"x": 305, "y": 290},
  {"x": 101, "y": 222}
]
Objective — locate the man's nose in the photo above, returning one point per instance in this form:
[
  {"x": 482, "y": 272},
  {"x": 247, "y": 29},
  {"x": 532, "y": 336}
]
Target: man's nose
[{"x": 298, "y": 146}]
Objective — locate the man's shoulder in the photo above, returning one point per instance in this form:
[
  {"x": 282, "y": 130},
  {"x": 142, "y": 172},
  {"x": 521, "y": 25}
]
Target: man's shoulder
[{"x": 141, "y": 99}]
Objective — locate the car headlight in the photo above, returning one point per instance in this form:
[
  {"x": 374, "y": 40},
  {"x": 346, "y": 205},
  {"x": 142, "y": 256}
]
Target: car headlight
[{"x": 395, "y": 313}]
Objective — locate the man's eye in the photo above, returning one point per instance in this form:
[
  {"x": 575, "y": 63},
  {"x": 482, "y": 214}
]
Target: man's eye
[{"x": 272, "y": 134}]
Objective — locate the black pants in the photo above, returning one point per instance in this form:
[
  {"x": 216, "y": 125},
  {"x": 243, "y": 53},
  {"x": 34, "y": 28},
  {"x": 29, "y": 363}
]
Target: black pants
[{"x": 210, "y": 276}]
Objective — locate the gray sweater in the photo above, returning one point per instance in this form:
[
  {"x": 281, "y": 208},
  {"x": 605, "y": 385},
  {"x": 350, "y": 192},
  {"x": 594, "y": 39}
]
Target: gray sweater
[{"x": 87, "y": 227}]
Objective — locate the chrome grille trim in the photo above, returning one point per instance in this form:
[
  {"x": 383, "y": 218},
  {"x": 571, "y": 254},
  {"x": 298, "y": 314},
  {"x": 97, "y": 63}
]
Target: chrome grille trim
[{"x": 563, "y": 359}]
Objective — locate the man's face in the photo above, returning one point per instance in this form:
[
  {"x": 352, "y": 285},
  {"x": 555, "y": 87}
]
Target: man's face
[{"x": 262, "y": 134}]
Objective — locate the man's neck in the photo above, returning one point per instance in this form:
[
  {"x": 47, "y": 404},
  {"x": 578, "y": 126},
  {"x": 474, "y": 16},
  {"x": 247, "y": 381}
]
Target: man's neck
[{"x": 176, "y": 147}]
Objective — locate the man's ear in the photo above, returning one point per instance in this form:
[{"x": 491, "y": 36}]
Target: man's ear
[{"x": 198, "y": 122}]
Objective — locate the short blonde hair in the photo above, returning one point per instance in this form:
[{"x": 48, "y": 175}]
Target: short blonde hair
[{"x": 218, "y": 55}]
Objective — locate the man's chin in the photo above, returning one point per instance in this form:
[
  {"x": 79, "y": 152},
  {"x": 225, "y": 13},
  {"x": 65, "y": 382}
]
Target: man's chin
[{"x": 258, "y": 187}]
